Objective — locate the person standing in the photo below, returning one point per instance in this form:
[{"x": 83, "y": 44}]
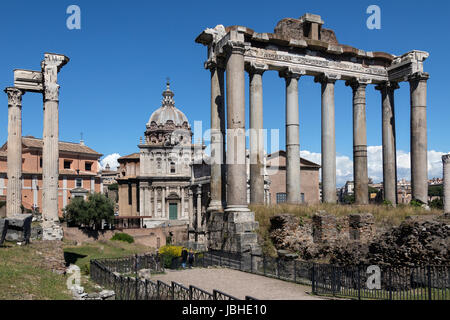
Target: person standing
[
  {"x": 184, "y": 256},
  {"x": 191, "y": 258}
]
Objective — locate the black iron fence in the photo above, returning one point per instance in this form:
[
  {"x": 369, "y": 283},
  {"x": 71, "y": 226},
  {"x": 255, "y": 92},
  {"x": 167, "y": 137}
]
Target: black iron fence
[
  {"x": 357, "y": 282},
  {"x": 120, "y": 275}
]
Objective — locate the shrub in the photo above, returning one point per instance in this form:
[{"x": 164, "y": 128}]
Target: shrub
[
  {"x": 120, "y": 236},
  {"x": 416, "y": 203},
  {"x": 2, "y": 204},
  {"x": 113, "y": 186},
  {"x": 437, "y": 203},
  {"x": 168, "y": 253}
]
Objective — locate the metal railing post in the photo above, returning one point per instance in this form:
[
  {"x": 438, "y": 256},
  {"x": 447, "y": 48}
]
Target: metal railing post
[
  {"x": 359, "y": 283},
  {"x": 429, "y": 282},
  {"x": 313, "y": 278},
  {"x": 295, "y": 271}
]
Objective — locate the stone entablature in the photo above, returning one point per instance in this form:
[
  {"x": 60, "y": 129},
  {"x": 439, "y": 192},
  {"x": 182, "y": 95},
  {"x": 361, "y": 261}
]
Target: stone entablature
[{"x": 289, "y": 48}]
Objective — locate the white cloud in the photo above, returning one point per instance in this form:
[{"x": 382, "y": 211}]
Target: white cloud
[
  {"x": 110, "y": 159},
  {"x": 344, "y": 165}
]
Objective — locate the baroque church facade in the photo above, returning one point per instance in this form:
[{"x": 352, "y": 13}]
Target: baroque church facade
[{"x": 163, "y": 184}]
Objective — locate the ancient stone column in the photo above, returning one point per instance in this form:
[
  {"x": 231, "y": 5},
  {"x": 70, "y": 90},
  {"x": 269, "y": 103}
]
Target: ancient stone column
[
  {"x": 446, "y": 176},
  {"x": 182, "y": 202},
  {"x": 328, "y": 138},
  {"x": 217, "y": 138},
  {"x": 14, "y": 160},
  {"x": 199, "y": 208},
  {"x": 389, "y": 141},
  {"x": 256, "y": 133},
  {"x": 155, "y": 202},
  {"x": 360, "y": 170},
  {"x": 419, "y": 164},
  {"x": 292, "y": 136},
  {"x": 191, "y": 209},
  {"x": 236, "y": 172},
  {"x": 51, "y": 65}
]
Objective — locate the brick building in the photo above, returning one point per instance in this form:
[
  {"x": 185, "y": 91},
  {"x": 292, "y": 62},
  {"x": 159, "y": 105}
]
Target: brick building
[
  {"x": 78, "y": 172},
  {"x": 309, "y": 179}
]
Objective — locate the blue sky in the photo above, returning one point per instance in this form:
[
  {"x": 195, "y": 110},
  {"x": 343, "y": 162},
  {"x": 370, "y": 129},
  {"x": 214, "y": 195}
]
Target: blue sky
[{"x": 125, "y": 50}]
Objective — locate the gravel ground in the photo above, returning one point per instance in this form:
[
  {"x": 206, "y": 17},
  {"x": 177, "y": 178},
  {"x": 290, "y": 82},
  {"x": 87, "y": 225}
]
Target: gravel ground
[{"x": 237, "y": 283}]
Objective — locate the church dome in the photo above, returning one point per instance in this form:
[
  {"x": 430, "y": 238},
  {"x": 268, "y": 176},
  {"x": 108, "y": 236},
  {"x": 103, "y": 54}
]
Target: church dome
[{"x": 168, "y": 112}]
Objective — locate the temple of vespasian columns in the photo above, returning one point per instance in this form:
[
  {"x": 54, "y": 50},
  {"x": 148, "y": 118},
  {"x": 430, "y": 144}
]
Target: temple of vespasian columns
[
  {"x": 45, "y": 82},
  {"x": 301, "y": 47}
]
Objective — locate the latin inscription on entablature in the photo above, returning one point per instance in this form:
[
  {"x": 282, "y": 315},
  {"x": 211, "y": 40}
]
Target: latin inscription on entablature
[{"x": 312, "y": 61}]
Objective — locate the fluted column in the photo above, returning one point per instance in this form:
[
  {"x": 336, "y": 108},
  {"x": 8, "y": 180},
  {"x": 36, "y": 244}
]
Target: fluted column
[
  {"x": 182, "y": 202},
  {"x": 256, "y": 133},
  {"x": 14, "y": 160},
  {"x": 236, "y": 171},
  {"x": 293, "y": 182},
  {"x": 163, "y": 203},
  {"x": 419, "y": 164},
  {"x": 360, "y": 170},
  {"x": 217, "y": 186},
  {"x": 50, "y": 154},
  {"x": 389, "y": 141},
  {"x": 155, "y": 202},
  {"x": 328, "y": 138},
  {"x": 446, "y": 175}
]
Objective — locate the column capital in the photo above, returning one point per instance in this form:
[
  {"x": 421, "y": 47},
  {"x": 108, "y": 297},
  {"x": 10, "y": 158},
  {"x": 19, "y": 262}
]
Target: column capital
[
  {"x": 291, "y": 73},
  {"x": 234, "y": 47},
  {"x": 357, "y": 83},
  {"x": 327, "y": 78},
  {"x": 446, "y": 158},
  {"x": 256, "y": 68},
  {"x": 14, "y": 96},
  {"x": 419, "y": 76},
  {"x": 214, "y": 64},
  {"x": 387, "y": 85}
]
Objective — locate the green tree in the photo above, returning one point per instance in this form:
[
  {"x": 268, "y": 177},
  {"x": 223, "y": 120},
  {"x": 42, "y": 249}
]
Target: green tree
[
  {"x": 435, "y": 191},
  {"x": 90, "y": 213}
]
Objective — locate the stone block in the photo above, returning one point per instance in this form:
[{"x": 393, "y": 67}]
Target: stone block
[
  {"x": 52, "y": 231},
  {"x": 324, "y": 228},
  {"x": 3, "y": 230},
  {"x": 19, "y": 228},
  {"x": 361, "y": 227}
]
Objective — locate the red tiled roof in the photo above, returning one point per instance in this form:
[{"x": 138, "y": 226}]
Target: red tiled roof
[
  {"x": 72, "y": 147},
  {"x": 130, "y": 156}
]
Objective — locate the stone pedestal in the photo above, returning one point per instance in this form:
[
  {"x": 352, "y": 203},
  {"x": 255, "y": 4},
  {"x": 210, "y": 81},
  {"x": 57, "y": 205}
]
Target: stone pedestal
[
  {"x": 446, "y": 171},
  {"x": 233, "y": 232},
  {"x": 52, "y": 230},
  {"x": 19, "y": 228}
]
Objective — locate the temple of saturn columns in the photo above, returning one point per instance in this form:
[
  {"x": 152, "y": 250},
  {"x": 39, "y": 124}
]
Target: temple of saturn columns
[
  {"x": 45, "y": 82},
  {"x": 446, "y": 166},
  {"x": 302, "y": 47}
]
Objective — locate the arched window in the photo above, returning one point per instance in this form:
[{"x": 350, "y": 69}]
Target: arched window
[{"x": 172, "y": 167}]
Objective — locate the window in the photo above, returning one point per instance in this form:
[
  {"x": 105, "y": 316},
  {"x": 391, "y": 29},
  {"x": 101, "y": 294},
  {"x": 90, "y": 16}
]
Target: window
[
  {"x": 281, "y": 197},
  {"x": 172, "y": 167},
  {"x": 130, "y": 200},
  {"x": 88, "y": 166},
  {"x": 302, "y": 197},
  {"x": 79, "y": 183},
  {"x": 67, "y": 164},
  {"x": 40, "y": 162}
]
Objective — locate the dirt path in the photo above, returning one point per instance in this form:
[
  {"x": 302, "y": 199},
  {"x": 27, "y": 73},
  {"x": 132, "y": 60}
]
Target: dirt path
[{"x": 238, "y": 284}]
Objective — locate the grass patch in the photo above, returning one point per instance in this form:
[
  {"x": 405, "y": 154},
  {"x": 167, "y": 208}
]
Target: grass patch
[
  {"x": 81, "y": 255},
  {"x": 23, "y": 277}
]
